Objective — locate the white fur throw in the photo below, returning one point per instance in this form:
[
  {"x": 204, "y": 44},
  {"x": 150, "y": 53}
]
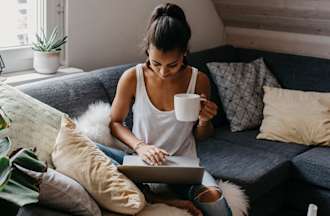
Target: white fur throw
[
  {"x": 236, "y": 198},
  {"x": 94, "y": 123}
]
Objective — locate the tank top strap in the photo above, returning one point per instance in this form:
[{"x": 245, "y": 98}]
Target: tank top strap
[
  {"x": 139, "y": 79},
  {"x": 193, "y": 81}
]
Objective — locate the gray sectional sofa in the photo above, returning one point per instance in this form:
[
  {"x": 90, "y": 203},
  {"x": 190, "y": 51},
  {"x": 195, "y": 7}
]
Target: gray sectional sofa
[{"x": 279, "y": 178}]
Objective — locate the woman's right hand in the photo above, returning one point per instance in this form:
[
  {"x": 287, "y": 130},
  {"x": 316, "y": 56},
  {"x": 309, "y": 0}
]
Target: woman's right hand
[{"x": 151, "y": 154}]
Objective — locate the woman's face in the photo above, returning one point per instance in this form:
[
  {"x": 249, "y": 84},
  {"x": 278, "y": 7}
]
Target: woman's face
[{"x": 166, "y": 65}]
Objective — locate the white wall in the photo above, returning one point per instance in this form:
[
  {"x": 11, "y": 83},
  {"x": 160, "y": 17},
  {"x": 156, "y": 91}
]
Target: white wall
[{"x": 110, "y": 32}]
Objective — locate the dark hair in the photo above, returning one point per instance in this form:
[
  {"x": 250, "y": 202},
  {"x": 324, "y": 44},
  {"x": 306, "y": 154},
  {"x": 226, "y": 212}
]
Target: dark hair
[{"x": 168, "y": 29}]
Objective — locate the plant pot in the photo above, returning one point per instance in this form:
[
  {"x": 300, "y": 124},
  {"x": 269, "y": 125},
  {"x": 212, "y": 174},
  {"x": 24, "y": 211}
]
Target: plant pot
[{"x": 46, "y": 62}]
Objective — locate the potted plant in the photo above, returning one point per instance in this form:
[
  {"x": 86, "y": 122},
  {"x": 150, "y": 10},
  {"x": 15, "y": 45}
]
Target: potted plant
[{"x": 47, "y": 49}]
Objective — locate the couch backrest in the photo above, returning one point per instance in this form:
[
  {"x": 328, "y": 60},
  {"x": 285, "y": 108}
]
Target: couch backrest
[
  {"x": 70, "y": 94},
  {"x": 73, "y": 93},
  {"x": 292, "y": 71}
]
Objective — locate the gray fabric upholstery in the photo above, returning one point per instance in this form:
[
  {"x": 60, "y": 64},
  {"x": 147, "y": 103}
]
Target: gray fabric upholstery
[
  {"x": 257, "y": 165},
  {"x": 109, "y": 78},
  {"x": 300, "y": 195},
  {"x": 292, "y": 71},
  {"x": 69, "y": 94},
  {"x": 248, "y": 139},
  {"x": 270, "y": 202},
  {"x": 313, "y": 166}
]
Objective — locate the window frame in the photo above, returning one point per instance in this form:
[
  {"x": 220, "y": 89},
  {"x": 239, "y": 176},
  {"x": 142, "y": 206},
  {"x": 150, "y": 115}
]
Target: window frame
[{"x": 20, "y": 58}]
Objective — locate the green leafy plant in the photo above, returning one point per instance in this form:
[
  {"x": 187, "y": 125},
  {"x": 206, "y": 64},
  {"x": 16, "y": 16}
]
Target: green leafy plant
[
  {"x": 4, "y": 121},
  {"x": 50, "y": 43},
  {"x": 15, "y": 186}
]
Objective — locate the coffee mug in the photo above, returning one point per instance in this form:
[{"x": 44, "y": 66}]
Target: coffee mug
[{"x": 187, "y": 107}]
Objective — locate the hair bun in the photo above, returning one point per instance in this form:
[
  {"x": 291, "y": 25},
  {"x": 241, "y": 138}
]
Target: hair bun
[{"x": 170, "y": 10}]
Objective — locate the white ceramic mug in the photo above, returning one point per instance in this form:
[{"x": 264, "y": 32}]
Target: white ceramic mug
[{"x": 187, "y": 106}]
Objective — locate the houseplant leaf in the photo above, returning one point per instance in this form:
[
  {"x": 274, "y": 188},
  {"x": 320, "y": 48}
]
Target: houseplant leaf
[
  {"x": 18, "y": 187},
  {"x": 4, "y": 146},
  {"x": 18, "y": 194},
  {"x": 27, "y": 159},
  {"x": 4, "y": 120},
  {"x": 5, "y": 171}
]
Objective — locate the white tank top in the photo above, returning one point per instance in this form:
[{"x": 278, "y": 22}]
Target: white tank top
[{"x": 161, "y": 128}]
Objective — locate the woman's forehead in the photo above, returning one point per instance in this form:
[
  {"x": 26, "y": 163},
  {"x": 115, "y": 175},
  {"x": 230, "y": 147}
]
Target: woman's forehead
[{"x": 169, "y": 56}]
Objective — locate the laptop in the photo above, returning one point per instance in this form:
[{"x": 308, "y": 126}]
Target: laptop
[{"x": 176, "y": 170}]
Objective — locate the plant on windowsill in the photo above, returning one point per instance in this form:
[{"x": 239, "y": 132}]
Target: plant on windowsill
[{"x": 47, "y": 49}]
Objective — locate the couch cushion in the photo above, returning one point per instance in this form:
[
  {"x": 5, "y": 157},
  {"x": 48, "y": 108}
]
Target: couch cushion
[
  {"x": 293, "y": 71},
  {"x": 199, "y": 60},
  {"x": 70, "y": 94},
  {"x": 256, "y": 165},
  {"x": 313, "y": 166},
  {"x": 248, "y": 138}
]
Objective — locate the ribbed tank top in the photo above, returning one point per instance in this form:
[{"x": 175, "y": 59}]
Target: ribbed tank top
[{"x": 161, "y": 128}]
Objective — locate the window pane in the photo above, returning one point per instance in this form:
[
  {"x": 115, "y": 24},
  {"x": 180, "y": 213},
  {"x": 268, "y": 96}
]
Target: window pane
[{"x": 18, "y": 20}]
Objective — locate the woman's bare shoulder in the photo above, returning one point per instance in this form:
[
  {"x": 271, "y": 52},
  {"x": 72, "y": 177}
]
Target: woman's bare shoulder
[
  {"x": 129, "y": 74},
  {"x": 127, "y": 82}
]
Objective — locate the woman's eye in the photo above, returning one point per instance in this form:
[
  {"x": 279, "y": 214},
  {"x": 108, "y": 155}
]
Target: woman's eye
[{"x": 173, "y": 66}]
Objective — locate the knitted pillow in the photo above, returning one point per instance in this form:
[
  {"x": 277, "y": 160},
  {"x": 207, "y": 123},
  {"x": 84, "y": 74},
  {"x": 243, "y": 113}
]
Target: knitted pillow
[
  {"x": 28, "y": 122},
  {"x": 240, "y": 89}
]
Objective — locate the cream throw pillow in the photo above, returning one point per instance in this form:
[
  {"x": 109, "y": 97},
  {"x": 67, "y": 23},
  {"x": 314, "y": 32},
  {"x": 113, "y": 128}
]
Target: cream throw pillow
[
  {"x": 76, "y": 156},
  {"x": 296, "y": 116},
  {"x": 31, "y": 123}
]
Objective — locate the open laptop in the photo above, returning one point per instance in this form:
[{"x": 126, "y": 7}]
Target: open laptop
[{"x": 176, "y": 170}]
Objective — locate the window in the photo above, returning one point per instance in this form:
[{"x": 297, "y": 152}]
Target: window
[{"x": 19, "y": 21}]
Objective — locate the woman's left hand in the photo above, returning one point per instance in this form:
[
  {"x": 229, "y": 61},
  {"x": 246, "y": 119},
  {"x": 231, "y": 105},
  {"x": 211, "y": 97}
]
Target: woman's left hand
[{"x": 208, "y": 111}]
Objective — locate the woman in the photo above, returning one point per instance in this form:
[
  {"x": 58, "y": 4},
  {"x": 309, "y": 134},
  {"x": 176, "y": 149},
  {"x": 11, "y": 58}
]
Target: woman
[{"x": 150, "y": 88}]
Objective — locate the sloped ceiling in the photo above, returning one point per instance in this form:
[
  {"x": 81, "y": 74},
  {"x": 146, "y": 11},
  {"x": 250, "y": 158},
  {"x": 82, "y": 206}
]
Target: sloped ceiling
[
  {"x": 299, "y": 26},
  {"x": 299, "y": 16}
]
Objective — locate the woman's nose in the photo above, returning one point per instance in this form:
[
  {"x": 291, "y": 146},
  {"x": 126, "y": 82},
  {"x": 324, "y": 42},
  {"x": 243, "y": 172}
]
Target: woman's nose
[{"x": 163, "y": 71}]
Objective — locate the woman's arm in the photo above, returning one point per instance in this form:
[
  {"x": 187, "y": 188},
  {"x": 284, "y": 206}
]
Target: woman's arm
[
  {"x": 204, "y": 128},
  {"x": 120, "y": 107}
]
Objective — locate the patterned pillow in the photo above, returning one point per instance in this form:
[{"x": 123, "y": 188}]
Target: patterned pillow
[{"x": 240, "y": 89}]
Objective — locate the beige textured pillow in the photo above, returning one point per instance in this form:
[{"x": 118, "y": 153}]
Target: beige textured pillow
[
  {"x": 30, "y": 123},
  {"x": 296, "y": 116},
  {"x": 76, "y": 156}
]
